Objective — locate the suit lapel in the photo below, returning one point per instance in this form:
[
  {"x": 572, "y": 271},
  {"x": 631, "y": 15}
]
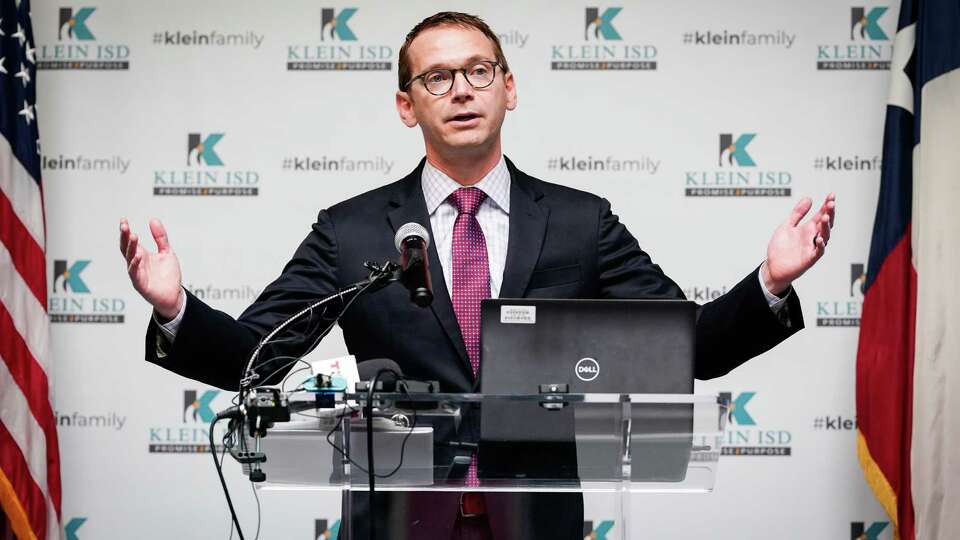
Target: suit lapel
[
  {"x": 409, "y": 205},
  {"x": 528, "y": 224}
]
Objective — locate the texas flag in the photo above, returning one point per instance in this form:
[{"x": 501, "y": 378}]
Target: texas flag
[{"x": 908, "y": 362}]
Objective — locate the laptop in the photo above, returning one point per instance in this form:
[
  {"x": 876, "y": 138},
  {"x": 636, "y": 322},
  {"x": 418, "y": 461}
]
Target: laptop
[{"x": 591, "y": 346}]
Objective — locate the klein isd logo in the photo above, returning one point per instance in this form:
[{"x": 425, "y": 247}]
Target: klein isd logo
[
  {"x": 603, "y": 47},
  {"x": 196, "y": 406},
  {"x": 206, "y": 174},
  {"x": 77, "y": 46},
  {"x": 868, "y": 48},
  {"x": 600, "y": 25},
  {"x": 71, "y": 300},
  {"x": 737, "y": 173},
  {"x": 335, "y": 24},
  {"x": 745, "y": 436},
  {"x": 201, "y": 150},
  {"x": 864, "y": 25},
  {"x": 340, "y": 48},
  {"x": 861, "y": 531},
  {"x": 598, "y": 531},
  {"x": 73, "y": 24},
  {"x": 191, "y": 434},
  {"x": 322, "y": 530},
  {"x": 845, "y": 312},
  {"x": 736, "y": 150}
]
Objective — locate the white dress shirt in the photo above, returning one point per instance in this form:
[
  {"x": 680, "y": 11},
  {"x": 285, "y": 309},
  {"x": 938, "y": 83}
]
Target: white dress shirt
[{"x": 493, "y": 216}]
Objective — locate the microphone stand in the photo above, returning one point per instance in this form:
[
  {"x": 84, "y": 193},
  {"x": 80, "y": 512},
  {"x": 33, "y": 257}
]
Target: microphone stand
[{"x": 380, "y": 276}]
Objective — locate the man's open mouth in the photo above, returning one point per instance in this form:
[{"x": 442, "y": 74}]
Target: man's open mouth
[{"x": 464, "y": 117}]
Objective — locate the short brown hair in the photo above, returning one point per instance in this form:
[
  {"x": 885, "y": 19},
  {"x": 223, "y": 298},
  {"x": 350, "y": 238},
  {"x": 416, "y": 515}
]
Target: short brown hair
[{"x": 446, "y": 18}]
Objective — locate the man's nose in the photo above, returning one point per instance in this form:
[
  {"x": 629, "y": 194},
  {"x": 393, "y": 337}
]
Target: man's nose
[{"x": 462, "y": 89}]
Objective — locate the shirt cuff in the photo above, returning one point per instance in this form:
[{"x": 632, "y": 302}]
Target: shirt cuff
[
  {"x": 775, "y": 302},
  {"x": 169, "y": 329}
]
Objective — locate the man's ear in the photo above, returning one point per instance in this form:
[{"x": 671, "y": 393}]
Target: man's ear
[
  {"x": 510, "y": 86},
  {"x": 405, "y": 108}
]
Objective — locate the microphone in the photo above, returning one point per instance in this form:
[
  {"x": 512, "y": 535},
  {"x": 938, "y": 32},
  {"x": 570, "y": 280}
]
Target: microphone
[{"x": 412, "y": 241}]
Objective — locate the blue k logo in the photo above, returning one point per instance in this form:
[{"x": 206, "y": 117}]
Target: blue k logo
[
  {"x": 337, "y": 24},
  {"x": 199, "y": 406},
  {"x": 70, "y": 529},
  {"x": 75, "y": 23},
  {"x": 599, "y": 532},
  {"x": 321, "y": 532},
  {"x": 202, "y": 149},
  {"x": 868, "y": 23},
  {"x": 738, "y": 408},
  {"x": 601, "y": 23},
  {"x": 736, "y": 150},
  {"x": 69, "y": 278},
  {"x": 858, "y": 532}
]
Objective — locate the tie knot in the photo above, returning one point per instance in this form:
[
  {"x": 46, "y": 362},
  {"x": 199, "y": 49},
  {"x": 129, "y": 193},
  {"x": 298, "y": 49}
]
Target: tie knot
[{"x": 467, "y": 200}]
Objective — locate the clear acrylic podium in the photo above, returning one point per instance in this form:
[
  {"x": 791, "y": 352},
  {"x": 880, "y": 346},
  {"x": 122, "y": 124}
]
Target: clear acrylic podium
[{"x": 550, "y": 442}]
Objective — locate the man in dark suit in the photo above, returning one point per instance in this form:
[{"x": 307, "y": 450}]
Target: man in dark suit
[{"x": 497, "y": 232}]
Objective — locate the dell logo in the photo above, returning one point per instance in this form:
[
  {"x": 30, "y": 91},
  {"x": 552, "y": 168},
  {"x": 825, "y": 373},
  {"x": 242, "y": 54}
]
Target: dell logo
[{"x": 587, "y": 369}]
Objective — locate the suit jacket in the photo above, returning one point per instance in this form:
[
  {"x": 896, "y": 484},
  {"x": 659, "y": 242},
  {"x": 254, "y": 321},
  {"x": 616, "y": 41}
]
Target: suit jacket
[{"x": 563, "y": 243}]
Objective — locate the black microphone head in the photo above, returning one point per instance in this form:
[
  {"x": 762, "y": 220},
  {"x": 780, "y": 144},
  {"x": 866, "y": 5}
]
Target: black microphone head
[
  {"x": 368, "y": 368},
  {"x": 411, "y": 229}
]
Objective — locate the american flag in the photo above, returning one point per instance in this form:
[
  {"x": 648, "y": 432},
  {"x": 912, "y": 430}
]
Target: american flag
[{"x": 29, "y": 453}]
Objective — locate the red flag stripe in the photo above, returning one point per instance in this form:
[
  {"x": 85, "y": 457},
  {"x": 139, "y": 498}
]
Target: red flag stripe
[
  {"x": 27, "y": 255},
  {"x": 25, "y": 194},
  {"x": 32, "y": 380},
  {"x": 23, "y": 428},
  {"x": 885, "y": 380},
  {"x": 29, "y": 315},
  {"x": 27, "y": 492}
]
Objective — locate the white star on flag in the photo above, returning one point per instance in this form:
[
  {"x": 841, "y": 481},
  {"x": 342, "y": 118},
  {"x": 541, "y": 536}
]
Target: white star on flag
[
  {"x": 30, "y": 57},
  {"x": 3, "y": 68},
  {"x": 20, "y": 35},
  {"x": 26, "y": 112},
  {"x": 23, "y": 74}
]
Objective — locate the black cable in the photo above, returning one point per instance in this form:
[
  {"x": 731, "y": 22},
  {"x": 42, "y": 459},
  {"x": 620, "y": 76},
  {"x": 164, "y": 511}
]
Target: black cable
[
  {"x": 283, "y": 384},
  {"x": 371, "y": 474},
  {"x": 371, "y": 471},
  {"x": 223, "y": 456},
  {"x": 293, "y": 361},
  {"x": 243, "y": 372},
  {"x": 252, "y": 368},
  {"x": 226, "y": 492},
  {"x": 342, "y": 452},
  {"x": 356, "y": 294},
  {"x": 336, "y": 319}
]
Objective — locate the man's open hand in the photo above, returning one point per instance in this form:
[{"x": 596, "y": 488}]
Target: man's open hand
[
  {"x": 156, "y": 276},
  {"x": 795, "y": 247}
]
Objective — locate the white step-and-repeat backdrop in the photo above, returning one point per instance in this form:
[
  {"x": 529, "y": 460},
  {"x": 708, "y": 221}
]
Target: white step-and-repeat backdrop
[{"x": 638, "y": 109}]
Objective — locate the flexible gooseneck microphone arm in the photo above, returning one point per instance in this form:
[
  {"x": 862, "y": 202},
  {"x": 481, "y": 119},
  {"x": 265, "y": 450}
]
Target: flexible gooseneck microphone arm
[{"x": 380, "y": 276}]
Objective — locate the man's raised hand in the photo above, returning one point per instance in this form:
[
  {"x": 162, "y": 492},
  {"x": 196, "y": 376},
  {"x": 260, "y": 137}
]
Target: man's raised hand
[
  {"x": 795, "y": 247},
  {"x": 156, "y": 276}
]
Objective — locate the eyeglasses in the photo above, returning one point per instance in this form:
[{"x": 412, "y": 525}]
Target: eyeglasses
[{"x": 439, "y": 81}]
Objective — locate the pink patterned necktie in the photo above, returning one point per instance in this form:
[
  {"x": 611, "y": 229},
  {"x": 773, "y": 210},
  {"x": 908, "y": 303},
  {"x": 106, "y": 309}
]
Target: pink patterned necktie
[{"x": 471, "y": 280}]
